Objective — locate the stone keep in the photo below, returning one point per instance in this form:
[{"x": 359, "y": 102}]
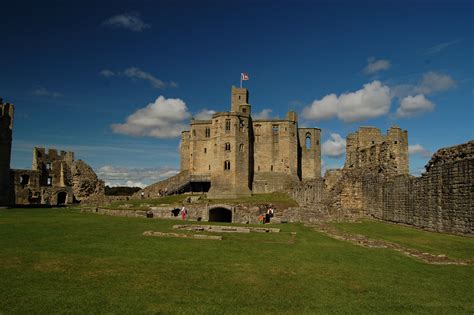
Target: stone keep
[
  {"x": 239, "y": 155},
  {"x": 6, "y": 128}
]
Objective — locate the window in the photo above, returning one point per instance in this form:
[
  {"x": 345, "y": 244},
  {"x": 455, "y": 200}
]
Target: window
[
  {"x": 49, "y": 181},
  {"x": 308, "y": 141},
  {"x": 48, "y": 166},
  {"x": 241, "y": 147},
  {"x": 373, "y": 142},
  {"x": 208, "y": 132},
  {"x": 226, "y": 165},
  {"x": 227, "y": 125},
  {"x": 395, "y": 142},
  {"x": 271, "y": 168},
  {"x": 258, "y": 167},
  {"x": 244, "y": 110},
  {"x": 317, "y": 142},
  {"x": 205, "y": 150},
  {"x": 24, "y": 180},
  {"x": 275, "y": 128},
  {"x": 194, "y": 132},
  {"x": 209, "y": 167},
  {"x": 227, "y": 146}
]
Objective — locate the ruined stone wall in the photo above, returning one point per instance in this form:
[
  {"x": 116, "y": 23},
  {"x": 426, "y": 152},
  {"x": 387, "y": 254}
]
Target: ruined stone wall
[
  {"x": 54, "y": 167},
  {"x": 310, "y": 152},
  {"x": 6, "y": 129}
]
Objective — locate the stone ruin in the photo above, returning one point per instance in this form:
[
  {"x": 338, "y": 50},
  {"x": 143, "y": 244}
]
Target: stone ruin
[
  {"x": 373, "y": 183},
  {"x": 54, "y": 179}
]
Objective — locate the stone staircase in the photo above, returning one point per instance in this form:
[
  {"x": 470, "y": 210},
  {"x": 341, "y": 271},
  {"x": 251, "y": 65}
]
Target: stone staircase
[{"x": 169, "y": 186}]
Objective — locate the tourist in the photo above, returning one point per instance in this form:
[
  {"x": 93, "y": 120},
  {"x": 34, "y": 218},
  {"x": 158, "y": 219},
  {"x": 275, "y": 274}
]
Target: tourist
[
  {"x": 267, "y": 216},
  {"x": 260, "y": 218},
  {"x": 184, "y": 213}
]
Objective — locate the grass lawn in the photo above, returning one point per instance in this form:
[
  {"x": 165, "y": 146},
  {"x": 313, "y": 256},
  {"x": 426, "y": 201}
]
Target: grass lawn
[
  {"x": 431, "y": 242},
  {"x": 64, "y": 261},
  {"x": 280, "y": 200}
]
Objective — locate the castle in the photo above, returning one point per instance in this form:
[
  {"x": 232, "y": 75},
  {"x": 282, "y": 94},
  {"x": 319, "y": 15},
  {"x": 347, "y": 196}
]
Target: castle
[{"x": 234, "y": 155}]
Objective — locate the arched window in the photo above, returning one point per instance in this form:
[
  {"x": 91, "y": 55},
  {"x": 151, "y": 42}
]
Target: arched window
[
  {"x": 226, "y": 165},
  {"x": 308, "y": 141},
  {"x": 227, "y": 146}
]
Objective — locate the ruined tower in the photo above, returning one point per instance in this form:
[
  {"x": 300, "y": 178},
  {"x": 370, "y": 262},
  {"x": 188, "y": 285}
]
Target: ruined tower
[
  {"x": 6, "y": 128},
  {"x": 368, "y": 148}
]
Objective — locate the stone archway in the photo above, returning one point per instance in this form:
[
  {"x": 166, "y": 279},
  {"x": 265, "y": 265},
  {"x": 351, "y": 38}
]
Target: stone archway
[
  {"x": 62, "y": 198},
  {"x": 220, "y": 214}
]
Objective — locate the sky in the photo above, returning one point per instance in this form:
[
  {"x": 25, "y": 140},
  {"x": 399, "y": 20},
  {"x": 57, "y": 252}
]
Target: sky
[{"x": 117, "y": 81}]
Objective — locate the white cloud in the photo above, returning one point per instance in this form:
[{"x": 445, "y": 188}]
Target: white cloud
[
  {"x": 335, "y": 146},
  {"x": 264, "y": 114},
  {"x": 442, "y": 46},
  {"x": 107, "y": 73},
  {"x": 205, "y": 114},
  {"x": 435, "y": 82},
  {"x": 133, "y": 177},
  {"x": 164, "y": 118},
  {"x": 375, "y": 66},
  {"x": 136, "y": 73},
  {"x": 414, "y": 105},
  {"x": 418, "y": 149},
  {"x": 130, "y": 21},
  {"x": 372, "y": 101},
  {"x": 44, "y": 92}
]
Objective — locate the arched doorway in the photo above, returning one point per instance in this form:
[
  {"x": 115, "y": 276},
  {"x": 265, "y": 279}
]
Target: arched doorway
[
  {"x": 62, "y": 197},
  {"x": 220, "y": 215}
]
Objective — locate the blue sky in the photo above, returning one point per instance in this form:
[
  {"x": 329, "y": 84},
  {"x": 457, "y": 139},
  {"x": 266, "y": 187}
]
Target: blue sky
[{"x": 117, "y": 81}]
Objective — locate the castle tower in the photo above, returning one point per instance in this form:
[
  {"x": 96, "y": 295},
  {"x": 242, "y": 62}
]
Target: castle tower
[
  {"x": 6, "y": 129},
  {"x": 231, "y": 166},
  {"x": 240, "y": 100}
]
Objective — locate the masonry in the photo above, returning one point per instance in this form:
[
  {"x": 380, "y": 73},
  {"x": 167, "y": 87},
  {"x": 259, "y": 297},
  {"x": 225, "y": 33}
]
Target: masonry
[
  {"x": 233, "y": 155},
  {"x": 375, "y": 183}
]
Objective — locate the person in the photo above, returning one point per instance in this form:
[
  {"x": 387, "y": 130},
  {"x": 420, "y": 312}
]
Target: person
[
  {"x": 143, "y": 195},
  {"x": 267, "y": 216},
  {"x": 270, "y": 212},
  {"x": 260, "y": 218},
  {"x": 184, "y": 212}
]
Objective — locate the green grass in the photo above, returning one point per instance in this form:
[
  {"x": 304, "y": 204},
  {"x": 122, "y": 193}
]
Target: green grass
[
  {"x": 63, "y": 261},
  {"x": 280, "y": 200},
  {"x": 431, "y": 242}
]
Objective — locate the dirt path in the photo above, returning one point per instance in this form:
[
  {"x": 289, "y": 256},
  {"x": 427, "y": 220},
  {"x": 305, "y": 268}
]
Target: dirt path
[{"x": 364, "y": 241}]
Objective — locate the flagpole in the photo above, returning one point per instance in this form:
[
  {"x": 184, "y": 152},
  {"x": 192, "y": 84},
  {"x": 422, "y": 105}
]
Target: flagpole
[{"x": 241, "y": 80}]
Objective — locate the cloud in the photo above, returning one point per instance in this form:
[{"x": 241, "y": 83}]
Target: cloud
[
  {"x": 134, "y": 177},
  {"x": 264, "y": 114},
  {"x": 430, "y": 83},
  {"x": 335, "y": 146},
  {"x": 44, "y": 92},
  {"x": 107, "y": 73},
  {"x": 130, "y": 21},
  {"x": 164, "y": 118},
  {"x": 204, "y": 114},
  {"x": 414, "y": 105},
  {"x": 440, "y": 47},
  {"x": 435, "y": 82},
  {"x": 418, "y": 149},
  {"x": 375, "y": 66},
  {"x": 136, "y": 73},
  {"x": 372, "y": 101}
]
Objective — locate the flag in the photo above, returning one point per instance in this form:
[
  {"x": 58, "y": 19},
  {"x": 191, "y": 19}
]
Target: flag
[{"x": 244, "y": 76}]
